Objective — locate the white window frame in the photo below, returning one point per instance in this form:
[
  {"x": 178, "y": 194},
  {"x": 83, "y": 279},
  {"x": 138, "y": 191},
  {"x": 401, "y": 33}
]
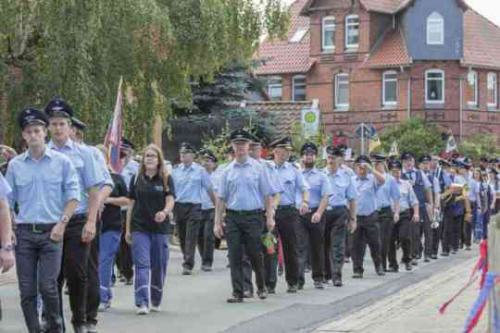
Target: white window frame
[
  {"x": 435, "y": 18},
  {"x": 384, "y": 80},
  {"x": 300, "y": 76},
  {"x": 347, "y": 26},
  {"x": 495, "y": 90},
  {"x": 299, "y": 35},
  {"x": 475, "y": 102},
  {"x": 443, "y": 84},
  {"x": 274, "y": 86},
  {"x": 327, "y": 48},
  {"x": 341, "y": 106}
]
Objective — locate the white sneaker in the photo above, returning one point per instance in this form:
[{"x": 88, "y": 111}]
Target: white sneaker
[
  {"x": 155, "y": 308},
  {"x": 142, "y": 310}
]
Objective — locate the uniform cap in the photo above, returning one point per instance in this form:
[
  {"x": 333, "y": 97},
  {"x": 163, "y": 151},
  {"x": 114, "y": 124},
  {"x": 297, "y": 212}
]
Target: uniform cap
[
  {"x": 334, "y": 151},
  {"x": 58, "y": 108},
  {"x": 240, "y": 135},
  {"x": 394, "y": 164},
  {"x": 77, "y": 123},
  {"x": 406, "y": 156},
  {"x": 309, "y": 147},
  {"x": 363, "y": 159},
  {"x": 186, "y": 148},
  {"x": 285, "y": 142},
  {"x": 127, "y": 144},
  {"x": 31, "y": 116},
  {"x": 425, "y": 158},
  {"x": 378, "y": 157},
  {"x": 208, "y": 154}
]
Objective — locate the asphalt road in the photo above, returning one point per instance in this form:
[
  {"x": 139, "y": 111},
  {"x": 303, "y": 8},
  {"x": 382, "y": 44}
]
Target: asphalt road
[{"x": 197, "y": 303}]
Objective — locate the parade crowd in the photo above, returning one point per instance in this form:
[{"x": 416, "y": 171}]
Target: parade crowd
[{"x": 67, "y": 218}]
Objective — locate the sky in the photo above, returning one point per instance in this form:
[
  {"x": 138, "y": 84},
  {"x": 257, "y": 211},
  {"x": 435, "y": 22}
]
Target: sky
[{"x": 487, "y": 8}]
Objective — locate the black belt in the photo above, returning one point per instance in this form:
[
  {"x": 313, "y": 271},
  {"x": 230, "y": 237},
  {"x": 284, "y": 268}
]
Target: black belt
[
  {"x": 78, "y": 217},
  {"x": 383, "y": 209},
  {"x": 244, "y": 212},
  {"x": 37, "y": 228},
  {"x": 285, "y": 207},
  {"x": 188, "y": 204}
]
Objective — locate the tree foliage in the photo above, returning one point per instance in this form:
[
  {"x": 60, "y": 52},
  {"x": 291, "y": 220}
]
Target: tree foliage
[
  {"x": 79, "y": 49},
  {"x": 479, "y": 145},
  {"x": 413, "y": 135}
]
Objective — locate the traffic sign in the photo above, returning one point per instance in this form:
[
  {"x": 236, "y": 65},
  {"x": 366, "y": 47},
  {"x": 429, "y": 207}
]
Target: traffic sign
[{"x": 368, "y": 129}]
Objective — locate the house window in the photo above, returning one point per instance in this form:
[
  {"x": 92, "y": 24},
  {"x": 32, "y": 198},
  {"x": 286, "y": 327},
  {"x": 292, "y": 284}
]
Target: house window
[
  {"x": 390, "y": 88},
  {"x": 328, "y": 33},
  {"x": 472, "y": 92},
  {"x": 352, "y": 31},
  {"x": 435, "y": 29},
  {"x": 275, "y": 88},
  {"x": 299, "y": 88},
  {"x": 342, "y": 91},
  {"x": 492, "y": 90},
  {"x": 298, "y": 35},
  {"x": 434, "y": 86}
]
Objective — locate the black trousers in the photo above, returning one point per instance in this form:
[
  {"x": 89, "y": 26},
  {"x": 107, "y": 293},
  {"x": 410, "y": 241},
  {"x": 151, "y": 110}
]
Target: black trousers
[
  {"x": 124, "y": 259},
  {"x": 386, "y": 225},
  {"x": 188, "y": 219},
  {"x": 451, "y": 231},
  {"x": 286, "y": 225},
  {"x": 401, "y": 233},
  {"x": 75, "y": 270},
  {"x": 335, "y": 241},
  {"x": 467, "y": 229},
  {"x": 243, "y": 234},
  {"x": 206, "y": 238},
  {"x": 93, "y": 291},
  {"x": 367, "y": 232},
  {"x": 419, "y": 229},
  {"x": 311, "y": 241}
]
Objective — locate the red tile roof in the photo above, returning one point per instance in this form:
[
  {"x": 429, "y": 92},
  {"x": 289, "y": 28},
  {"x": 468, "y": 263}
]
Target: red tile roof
[
  {"x": 391, "y": 51},
  {"x": 385, "y": 6},
  {"x": 283, "y": 56},
  {"x": 481, "y": 41},
  {"x": 285, "y": 114}
]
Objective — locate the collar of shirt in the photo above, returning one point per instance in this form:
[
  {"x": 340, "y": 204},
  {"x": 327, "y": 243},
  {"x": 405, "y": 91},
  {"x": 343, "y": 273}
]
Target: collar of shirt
[
  {"x": 310, "y": 171},
  {"x": 362, "y": 178},
  {"x": 246, "y": 163},
  {"x": 47, "y": 153},
  {"x": 69, "y": 145}
]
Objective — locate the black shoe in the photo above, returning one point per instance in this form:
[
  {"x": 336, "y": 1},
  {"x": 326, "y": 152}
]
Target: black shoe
[
  {"x": 468, "y": 248},
  {"x": 235, "y": 299},
  {"x": 347, "y": 260},
  {"x": 79, "y": 329},
  {"x": 408, "y": 266},
  {"x": 414, "y": 262},
  {"x": 262, "y": 294},
  {"x": 247, "y": 294},
  {"x": 427, "y": 259},
  {"x": 300, "y": 286},
  {"x": 292, "y": 289},
  {"x": 454, "y": 251},
  {"x": 380, "y": 271},
  {"x": 357, "y": 275},
  {"x": 393, "y": 270},
  {"x": 319, "y": 285},
  {"x": 271, "y": 290},
  {"x": 206, "y": 268},
  {"x": 91, "y": 328},
  {"x": 337, "y": 282},
  {"x": 434, "y": 256},
  {"x": 186, "y": 271},
  {"x": 445, "y": 254},
  {"x": 419, "y": 256},
  {"x": 129, "y": 282}
]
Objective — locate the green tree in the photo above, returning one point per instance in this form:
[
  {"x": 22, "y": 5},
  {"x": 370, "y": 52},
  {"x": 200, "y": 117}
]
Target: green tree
[
  {"x": 79, "y": 50},
  {"x": 413, "y": 135},
  {"x": 479, "y": 145}
]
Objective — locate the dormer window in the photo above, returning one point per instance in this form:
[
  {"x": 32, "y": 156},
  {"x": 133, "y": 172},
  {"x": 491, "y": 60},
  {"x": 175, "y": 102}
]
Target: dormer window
[
  {"x": 352, "y": 32},
  {"x": 435, "y": 29},
  {"x": 298, "y": 35}
]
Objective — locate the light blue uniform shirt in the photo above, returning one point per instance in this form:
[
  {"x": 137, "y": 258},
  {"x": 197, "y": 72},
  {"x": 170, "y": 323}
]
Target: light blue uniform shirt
[
  {"x": 408, "y": 197},
  {"x": 206, "y": 202},
  {"x": 190, "y": 181},
  {"x": 388, "y": 192},
  {"x": 473, "y": 189},
  {"x": 319, "y": 186},
  {"x": 42, "y": 188},
  {"x": 89, "y": 173},
  {"x": 243, "y": 186},
  {"x": 4, "y": 188},
  {"x": 269, "y": 167},
  {"x": 292, "y": 182},
  {"x": 130, "y": 170},
  {"x": 366, "y": 190},
  {"x": 103, "y": 168},
  {"x": 343, "y": 189}
]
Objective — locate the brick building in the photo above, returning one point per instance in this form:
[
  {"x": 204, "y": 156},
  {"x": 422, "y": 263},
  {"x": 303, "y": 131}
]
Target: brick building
[{"x": 383, "y": 61}]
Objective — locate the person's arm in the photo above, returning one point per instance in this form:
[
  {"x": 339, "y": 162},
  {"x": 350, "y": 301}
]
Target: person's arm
[
  {"x": 220, "y": 209},
  {"x": 378, "y": 175},
  {"x": 353, "y": 224},
  {"x": 304, "y": 188},
  {"x": 128, "y": 221},
  {"x": 6, "y": 252}
]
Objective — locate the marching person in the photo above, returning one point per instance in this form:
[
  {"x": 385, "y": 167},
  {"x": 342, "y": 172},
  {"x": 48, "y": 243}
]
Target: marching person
[
  {"x": 245, "y": 190},
  {"x": 6, "y": 246},
  {"x": 367, "y": 181},
  {"x": 311, "y": 226},
  {"x": 152, "y": 193},
  {"x": 81, "y": 228},
  {"x": 109, "y": 243},
  {"x": 287, "y": 216},
  {"x": 190, "y": 181},
  {"x": 406, "y": 211},
  {"x": 46, "y": 189},
  {"x": 340, "y": 214},
  {"x": 387, "y": 205},
  {"x": 423, "y": 190}
]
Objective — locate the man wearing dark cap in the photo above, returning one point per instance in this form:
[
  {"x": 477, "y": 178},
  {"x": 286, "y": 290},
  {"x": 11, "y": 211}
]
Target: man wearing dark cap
[
  {"x": 46, "y": 189},
  {"x": 408, "y": 214},
  {"x": 423, "y": 190},
  {"x": 81, "y": 229},
  {"x": 367, "y": 181},
  {"x": 190, "y": 181},
  {"x": 245, "y": 190},
  {"x": 311, "y": 227},
  {"x": 341, "y": 212},
  {"x": 287, "y": 215}
]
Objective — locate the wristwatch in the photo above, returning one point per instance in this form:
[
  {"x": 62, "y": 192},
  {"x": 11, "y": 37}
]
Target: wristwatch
[
  {"x": 65, "y": 219},
  {"x": 7, "y": 248}
]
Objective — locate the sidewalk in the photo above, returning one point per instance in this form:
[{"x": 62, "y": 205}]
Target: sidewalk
[{"x": 415, "y": 309}]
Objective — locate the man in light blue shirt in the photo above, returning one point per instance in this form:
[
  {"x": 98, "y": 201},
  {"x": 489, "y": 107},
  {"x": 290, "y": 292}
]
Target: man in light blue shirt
[
  {"x": 6, "y": 246},
  {"x": 387, "y": 194},
  {"x": 340, "y": 215},
  {"x": 311, "y": 226},
  {"x": 244, "y": 192},
  {"x": 190, "y": 181},
  {"x": 367, "y": 182},
  {"x": 82, "y": 227},
  {"x": 45, "y": 187}
]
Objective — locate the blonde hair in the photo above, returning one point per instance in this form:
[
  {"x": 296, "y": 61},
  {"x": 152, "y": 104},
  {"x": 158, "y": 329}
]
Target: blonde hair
[{"x": 161, "y": 170}]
